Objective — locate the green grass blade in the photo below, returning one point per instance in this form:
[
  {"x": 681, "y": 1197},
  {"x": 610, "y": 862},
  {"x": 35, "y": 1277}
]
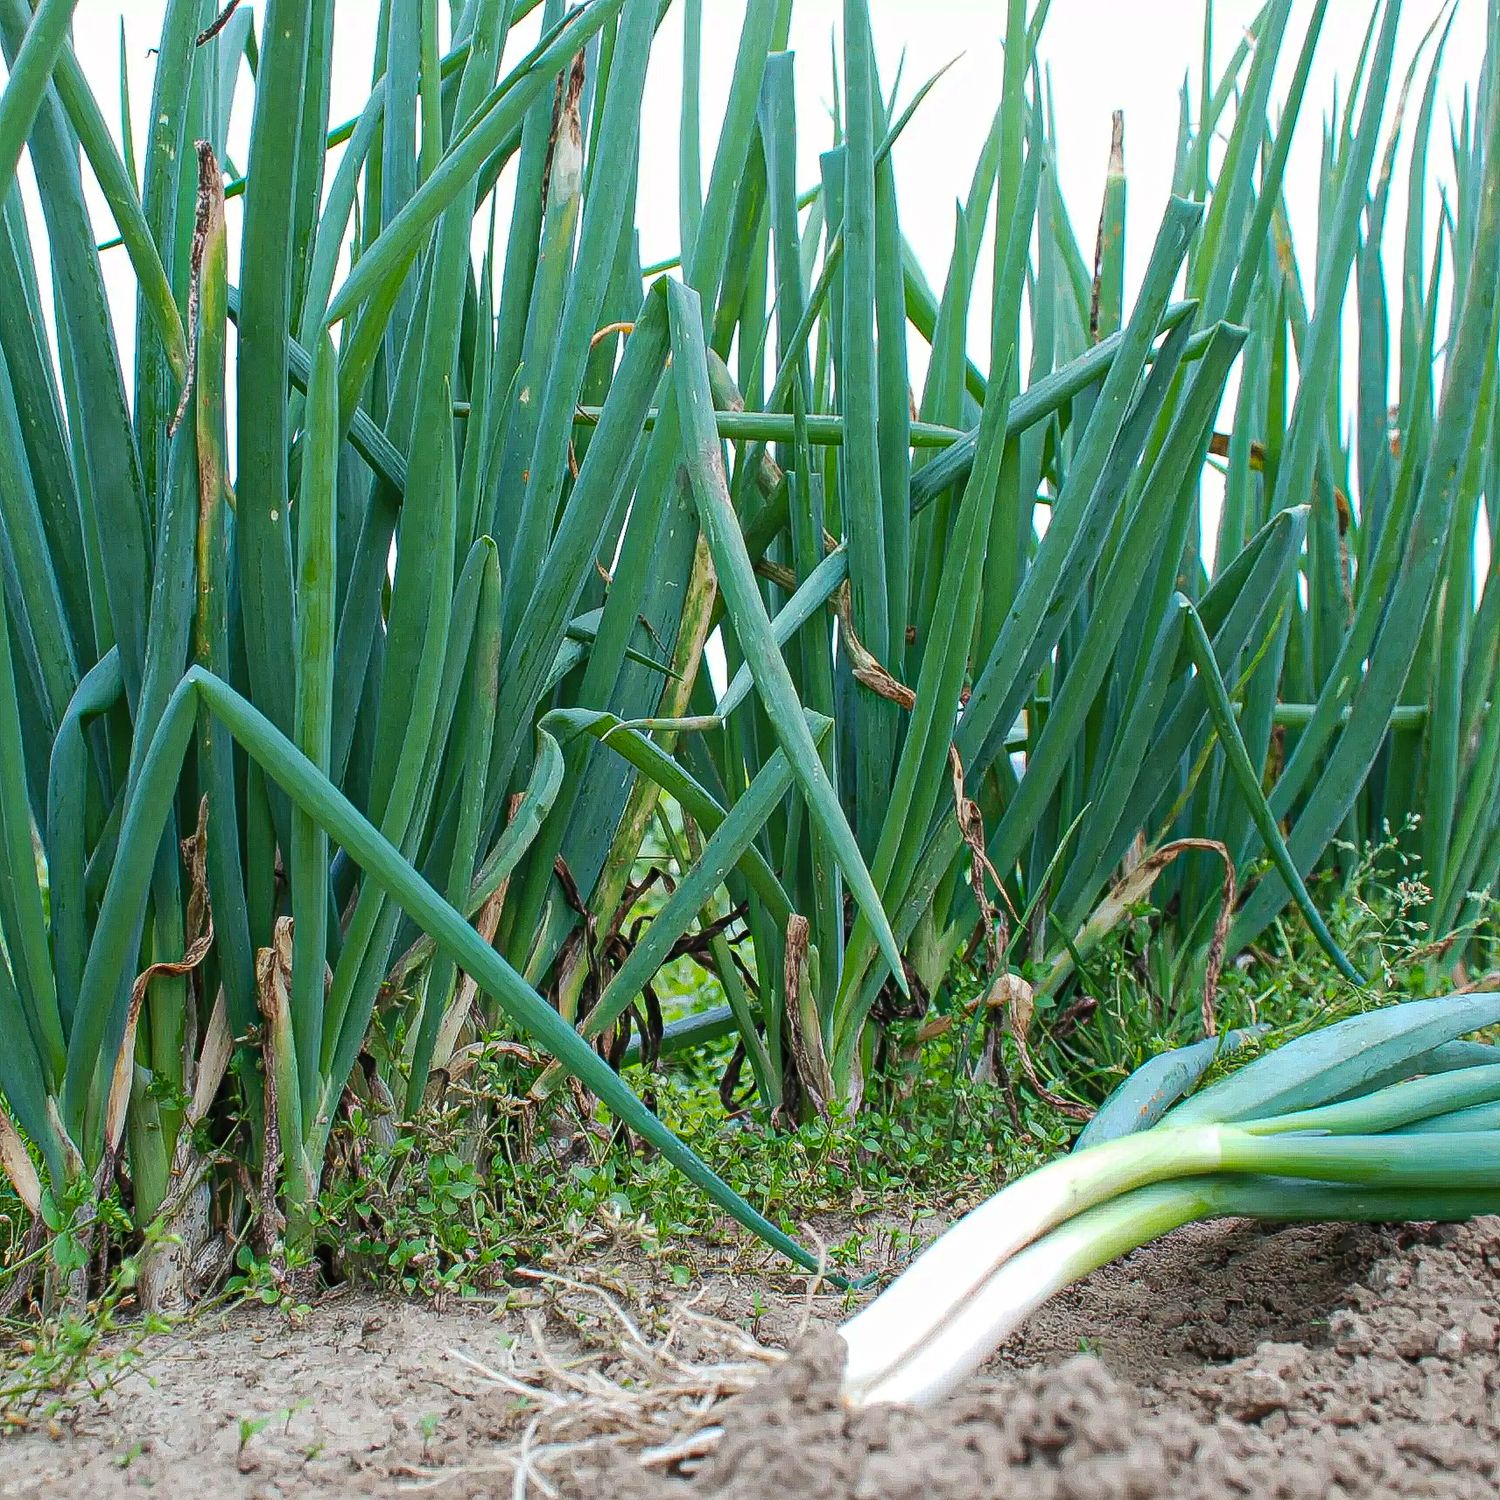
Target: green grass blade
[
  {"x": 480, "y": 697},
  {"x": 747, "y": 611},
  {"x": 366, "y": 845},
  {"x": 1470, "y": 365},
  {"x": 690, "y": 130},
  {"x": 1142, "y": 540},
  {"x": 117, "y": 183},
  {"x": 313, "y": 716},
  {"x": 389, "y": 255},
  {"x": 721, "y": 854},
  {"x": 263, "y": 530},
  {"x": 1222, "y": 712},
  {"x": 24, "y": 920},
  {"x": 863, "y": 506},
  {"x": 811, "y": 596},
  {"x": 30, "y": 73},
  {"x": 1337, "y": 1060},
  {"x": 99, "y": 418}
]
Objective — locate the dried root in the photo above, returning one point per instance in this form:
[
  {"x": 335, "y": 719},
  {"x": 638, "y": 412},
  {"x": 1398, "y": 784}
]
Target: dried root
[{"x": 650, "y": 1398}]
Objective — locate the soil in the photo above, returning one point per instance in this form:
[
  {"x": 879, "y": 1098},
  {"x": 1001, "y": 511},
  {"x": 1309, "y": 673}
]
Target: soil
[{"x": 1226, "y": 1361}]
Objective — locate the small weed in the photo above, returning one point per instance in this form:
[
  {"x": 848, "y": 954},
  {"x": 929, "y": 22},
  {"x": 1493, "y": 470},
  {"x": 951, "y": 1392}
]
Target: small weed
[
  {"x": 273, "y": 1283},
  {"x": 129, "y": 1456},
  {"x": 50, "y": 1366},
  {"x": 252, "y": 1427}
]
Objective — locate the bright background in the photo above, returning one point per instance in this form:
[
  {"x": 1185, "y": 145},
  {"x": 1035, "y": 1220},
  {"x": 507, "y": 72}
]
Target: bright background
[{"x": 1098, "y": 55}]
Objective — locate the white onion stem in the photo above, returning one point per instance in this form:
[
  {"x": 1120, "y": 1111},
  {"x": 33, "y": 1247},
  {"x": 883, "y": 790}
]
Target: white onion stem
[
  {"x": 938, "y": 1288},
  {"x": 1015, "y": 1289}
]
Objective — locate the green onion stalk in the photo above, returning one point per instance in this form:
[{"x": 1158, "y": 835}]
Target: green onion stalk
[{"x": 1382, "y": 1117}]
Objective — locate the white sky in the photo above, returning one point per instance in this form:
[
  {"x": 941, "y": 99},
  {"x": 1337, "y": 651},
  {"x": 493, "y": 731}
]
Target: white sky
[{"x": 1099, "y": 55}]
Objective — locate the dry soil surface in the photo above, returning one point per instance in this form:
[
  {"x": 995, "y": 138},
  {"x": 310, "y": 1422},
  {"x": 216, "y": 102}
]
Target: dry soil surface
[{"x": 1224, "y": 1362}]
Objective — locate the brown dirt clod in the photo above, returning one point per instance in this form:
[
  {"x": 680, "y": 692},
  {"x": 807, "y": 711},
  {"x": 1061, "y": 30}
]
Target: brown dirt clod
[{"x": 1249, "y": 1380}]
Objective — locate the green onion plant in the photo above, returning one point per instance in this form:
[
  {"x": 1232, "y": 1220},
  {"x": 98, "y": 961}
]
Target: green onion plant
[{"x": 356, "y": 641}]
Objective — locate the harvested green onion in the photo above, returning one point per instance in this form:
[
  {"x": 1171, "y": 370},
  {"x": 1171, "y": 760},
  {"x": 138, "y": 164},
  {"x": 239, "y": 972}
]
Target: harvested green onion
[{"x": 1425, "y": 1147}]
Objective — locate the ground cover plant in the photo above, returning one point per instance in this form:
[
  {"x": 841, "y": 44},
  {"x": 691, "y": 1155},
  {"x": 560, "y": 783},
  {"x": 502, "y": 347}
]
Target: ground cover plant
[{"x": 357, "y": 726}]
